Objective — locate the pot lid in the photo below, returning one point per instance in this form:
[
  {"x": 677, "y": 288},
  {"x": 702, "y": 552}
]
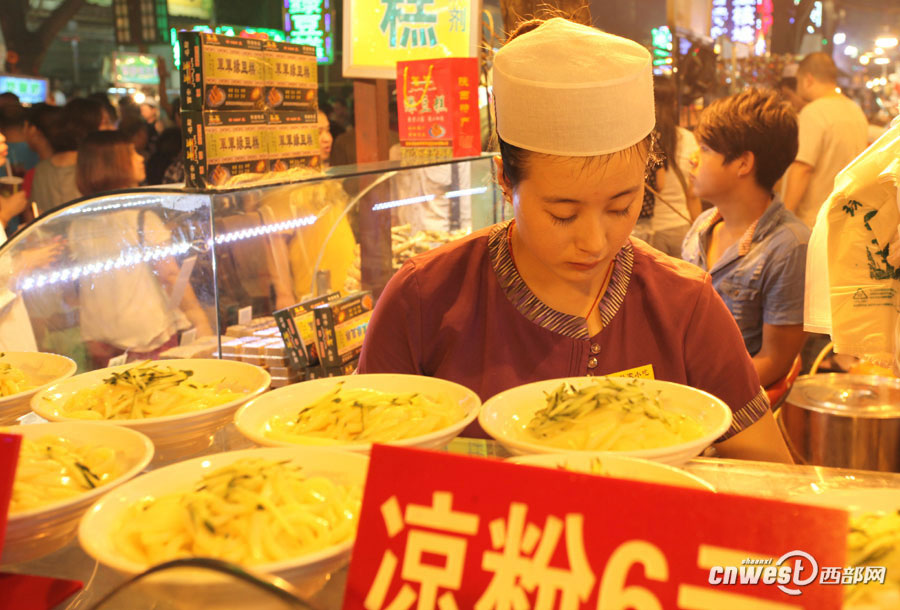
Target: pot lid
[{"x": 841, "y": 393}]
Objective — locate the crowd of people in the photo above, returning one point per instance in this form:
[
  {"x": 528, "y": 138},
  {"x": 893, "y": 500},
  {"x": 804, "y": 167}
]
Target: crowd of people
[{"x": 763, "y": 163}]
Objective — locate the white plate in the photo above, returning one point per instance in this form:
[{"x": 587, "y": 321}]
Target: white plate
[
  {"x": 37, "y": 532},
  {"x": 97, "y": 527},
  {"x": 41, "y": 370},
  {"x": 175, "y": 436},
  {"x": 506, "y": 415},
  {"x": 252, "y": 420},
  {"x": 616, "y": 466}
]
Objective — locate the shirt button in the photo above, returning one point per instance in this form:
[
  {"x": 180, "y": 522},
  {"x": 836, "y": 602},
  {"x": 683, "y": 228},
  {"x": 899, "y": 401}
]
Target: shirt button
[
  {"x": 592, "y": 362},
  {"x": 595, "y": 348}
]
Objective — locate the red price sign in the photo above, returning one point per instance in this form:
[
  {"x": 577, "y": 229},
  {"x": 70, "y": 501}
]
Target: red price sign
[
  {"x": 437, "y": 102},
  {"x": 9, "y": 457},
  {"x": 448, "y": 532}
]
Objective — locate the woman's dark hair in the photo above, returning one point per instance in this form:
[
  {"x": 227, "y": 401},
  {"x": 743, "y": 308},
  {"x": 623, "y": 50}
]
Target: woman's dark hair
[
  {"x": 515, "y": 159},
  {"x": 106, "y": 104},
  {"x": 80, "y": 117},
  {"x": 105, "y": 163},
  {"x": 44, "y": 117},
  {"x": 664, "y": 93}
]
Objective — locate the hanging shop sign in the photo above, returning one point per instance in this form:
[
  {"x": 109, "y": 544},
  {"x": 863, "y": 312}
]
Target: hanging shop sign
[
  {"x": 437, "y": 103},
  {"x": 133, "y": 69},
  {"x": 380, "y": 33},
  {"x": 140, "y": 21},
  {"x": 736, "y": 20},
  {"x": 29, "y": 90},
  {"x": 449, "y": 531},
  {"x": 311, "y": 22},
  {"x": 197, "y": 9},
  {"x": 238, "y": 31}
]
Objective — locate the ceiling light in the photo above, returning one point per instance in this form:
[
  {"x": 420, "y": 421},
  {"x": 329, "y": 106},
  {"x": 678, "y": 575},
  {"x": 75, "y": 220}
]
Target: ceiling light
[{"x": 886, "y": 42}]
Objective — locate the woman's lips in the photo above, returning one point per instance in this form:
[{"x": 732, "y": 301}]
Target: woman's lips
[{"x": 584, "y": 266}]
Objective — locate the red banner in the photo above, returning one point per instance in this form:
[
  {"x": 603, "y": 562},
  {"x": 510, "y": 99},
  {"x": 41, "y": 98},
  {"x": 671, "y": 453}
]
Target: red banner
[
  {"x": 437, "y": 102},
  {"x": 9, "y": 457},
  {"x": 445, "y": 531}
]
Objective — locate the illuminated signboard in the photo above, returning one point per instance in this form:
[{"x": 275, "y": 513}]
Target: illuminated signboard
[
  {"x": 134, "y": 69},
  {"x": 198, "y": 9},
  {"x": 311, "y": 22},
  {"x": 662, "y": 46},
  {"x": 734, "y": 19},
  {"x": 140, "y": 21},
  {"x": 379, "y": 33},
  {"x": 28, "y": 90},
  {"x": 225, "y": 30}
]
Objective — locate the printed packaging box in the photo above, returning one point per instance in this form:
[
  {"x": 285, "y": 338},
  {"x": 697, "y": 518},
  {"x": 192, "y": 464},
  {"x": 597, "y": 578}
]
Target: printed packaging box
[
  {"x": 222, "y": 72},
  {"x": 293, "y": 140},
  {"x": 297, "y": 326},
  {"x": 224, "y": 148},
  {"x": 291, "y": 76},
  {"x": 341, "y": 328}
]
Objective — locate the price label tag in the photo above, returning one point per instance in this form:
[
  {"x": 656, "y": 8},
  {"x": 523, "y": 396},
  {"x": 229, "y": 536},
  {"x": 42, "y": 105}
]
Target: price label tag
[
  {"x": 245, "y": 315},
  {"x": 118, "y": 360},
  {"x": 449, "y": 531},
  {"x": 188, "y": 336},
  {"x": 9, "y": 457}
]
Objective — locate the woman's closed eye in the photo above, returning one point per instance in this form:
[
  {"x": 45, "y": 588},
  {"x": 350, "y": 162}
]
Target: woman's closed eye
[{"x": 562, "y": 220}]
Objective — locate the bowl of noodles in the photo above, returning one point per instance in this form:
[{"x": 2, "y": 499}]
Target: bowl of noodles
[
  {"x": 179, "y": 404},
  {"x": 352, "y": 412},
  {"x": 291, "y": 512},
  {"x": 644, "y": 418},
  {"x": 22, "y": 374},
  {"x": 615, "y": 466},
  {"x": 62, "y": 469}
]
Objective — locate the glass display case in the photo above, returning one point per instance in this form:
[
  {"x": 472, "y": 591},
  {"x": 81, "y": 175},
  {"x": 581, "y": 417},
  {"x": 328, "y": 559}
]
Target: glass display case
[{"x": 136, "y": 273}]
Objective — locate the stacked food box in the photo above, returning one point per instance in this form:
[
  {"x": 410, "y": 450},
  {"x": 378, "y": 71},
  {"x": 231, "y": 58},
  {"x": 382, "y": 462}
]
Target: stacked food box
[
  {"x": 249, "y": 110},
  {"x": 323, "y": 336}
]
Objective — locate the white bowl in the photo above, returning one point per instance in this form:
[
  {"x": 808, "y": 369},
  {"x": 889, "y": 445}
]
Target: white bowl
[
  {"x": 252, "y": 420},
  {"x": 506, "y": 415},
  {"x": 41, "y": 371},
  {"x": 616, "y": 466},
  {"x": 175, "y": 436},
  {"x": 99, "y": 523},
  {"x": 42, "y": 530}
]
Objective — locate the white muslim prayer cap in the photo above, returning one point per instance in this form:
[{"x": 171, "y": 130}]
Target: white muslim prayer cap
[{"x": 571, "y": 90}]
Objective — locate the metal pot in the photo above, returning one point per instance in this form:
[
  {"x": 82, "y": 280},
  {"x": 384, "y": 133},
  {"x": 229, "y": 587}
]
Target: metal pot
[{"x": 844, "y": 421}]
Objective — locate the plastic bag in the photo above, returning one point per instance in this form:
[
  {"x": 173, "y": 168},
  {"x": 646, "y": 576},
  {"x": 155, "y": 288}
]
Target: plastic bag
[{"x": 853, "y": 240}]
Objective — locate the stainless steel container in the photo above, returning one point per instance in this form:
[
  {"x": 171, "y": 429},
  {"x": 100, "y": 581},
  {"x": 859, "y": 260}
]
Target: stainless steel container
[{"x": 844, "y": 421}]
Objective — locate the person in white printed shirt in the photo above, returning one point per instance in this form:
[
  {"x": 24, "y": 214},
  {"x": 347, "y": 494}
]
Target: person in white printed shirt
[{"x": 833, "y": 131}]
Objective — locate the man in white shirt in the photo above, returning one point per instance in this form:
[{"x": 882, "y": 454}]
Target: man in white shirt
[{"x": 833, "y": 131}]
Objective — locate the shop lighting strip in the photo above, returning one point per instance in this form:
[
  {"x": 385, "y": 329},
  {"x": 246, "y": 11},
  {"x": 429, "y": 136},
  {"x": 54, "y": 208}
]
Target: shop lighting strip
[
  {"x": 124, "y": 260},
  {"x": 147, "y": 255},
  {"x": 425, "y": 198},
  {"x": 153, "y": 254},
  {"x": 276, "y": 227}
]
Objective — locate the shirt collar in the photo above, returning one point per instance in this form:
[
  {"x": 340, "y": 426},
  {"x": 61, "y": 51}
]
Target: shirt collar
[
  {"x": 755, "y": 232},
  {"x": 524, "y": 300}
]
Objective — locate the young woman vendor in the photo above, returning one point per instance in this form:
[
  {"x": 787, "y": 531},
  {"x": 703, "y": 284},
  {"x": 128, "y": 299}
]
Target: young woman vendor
[{"x": 562, "y": 290}]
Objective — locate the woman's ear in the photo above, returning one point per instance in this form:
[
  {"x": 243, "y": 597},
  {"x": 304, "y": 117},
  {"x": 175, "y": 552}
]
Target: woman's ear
[{"x": 501, "y": 179}]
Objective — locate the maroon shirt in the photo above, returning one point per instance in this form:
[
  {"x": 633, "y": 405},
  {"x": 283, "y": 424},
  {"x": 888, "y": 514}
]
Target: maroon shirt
[{"x": 463, "y": 313}]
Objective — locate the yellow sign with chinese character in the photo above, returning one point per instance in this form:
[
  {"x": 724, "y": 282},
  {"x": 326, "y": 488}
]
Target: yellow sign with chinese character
[
  {"x": 638, "y": 372},
  {"x": 379, "y": 33}
]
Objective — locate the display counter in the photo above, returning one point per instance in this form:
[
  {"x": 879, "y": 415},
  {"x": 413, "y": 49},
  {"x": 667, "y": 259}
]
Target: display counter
[
  {"x": 81, "y": 277},
  {"x": 757, "y": 479}
]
